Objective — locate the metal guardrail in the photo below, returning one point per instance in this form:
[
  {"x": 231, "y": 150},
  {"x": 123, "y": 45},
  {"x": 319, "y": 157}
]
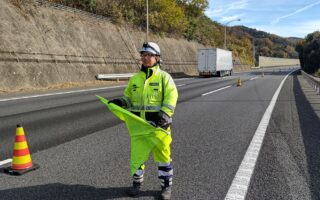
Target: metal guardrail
[
  {"x": 313, "y": 81},
  {"x": 114, "y": 76},
  {"x": 14, "y": 56}
]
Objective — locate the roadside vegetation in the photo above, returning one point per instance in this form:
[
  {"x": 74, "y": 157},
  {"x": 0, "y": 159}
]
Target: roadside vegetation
[
  {"x": 186, "y": 19},
  {"x": 309, "y": 53}
]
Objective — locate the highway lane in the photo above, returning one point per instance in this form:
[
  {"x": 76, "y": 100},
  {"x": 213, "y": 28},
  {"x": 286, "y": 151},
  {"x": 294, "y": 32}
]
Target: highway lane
[
  {"x": 52, "y": 120},
  {"x": 211, "y": 134},
  {"x": 289, "y": 163}
]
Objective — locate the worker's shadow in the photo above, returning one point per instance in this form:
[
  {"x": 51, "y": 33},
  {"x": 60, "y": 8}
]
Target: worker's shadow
[{"x": 58, "y": 191}]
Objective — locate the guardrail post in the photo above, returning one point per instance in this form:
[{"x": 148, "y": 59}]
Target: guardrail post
[
  {"x": 66, "y": 57},
  {"x": 15, "y": 55},
  {"x": 105, "y": 62},
  {"x": 37, "y": 58}
]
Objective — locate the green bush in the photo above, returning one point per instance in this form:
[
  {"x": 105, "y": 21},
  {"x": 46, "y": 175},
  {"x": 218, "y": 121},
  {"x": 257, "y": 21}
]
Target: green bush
[{"x": 309, "y": 53}]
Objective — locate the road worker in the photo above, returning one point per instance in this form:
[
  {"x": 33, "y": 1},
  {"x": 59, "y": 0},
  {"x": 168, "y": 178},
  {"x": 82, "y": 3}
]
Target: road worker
[{"x": 152, "y": 95}]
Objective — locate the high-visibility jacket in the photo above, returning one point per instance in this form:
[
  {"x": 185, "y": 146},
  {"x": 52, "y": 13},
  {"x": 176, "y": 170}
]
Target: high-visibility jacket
[{"x": 150, "y": 91}]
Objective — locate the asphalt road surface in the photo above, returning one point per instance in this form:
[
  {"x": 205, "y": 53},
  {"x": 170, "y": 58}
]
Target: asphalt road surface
[{"x": 83, "y": 149}]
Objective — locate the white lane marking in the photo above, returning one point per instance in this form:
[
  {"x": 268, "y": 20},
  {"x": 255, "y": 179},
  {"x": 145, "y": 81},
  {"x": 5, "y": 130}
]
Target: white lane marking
[
  {"x": 59, "y": 93},
  {"x": 239, "y": 186},
  {"x": 253, "y": 78},
  {"x": 216, "y": 90},
  {"x": 181, "y": 79},
  {"x": 70, "y": 92},
  {"x": 181, "y": 85},
  {"x": 5, "y": 162}
]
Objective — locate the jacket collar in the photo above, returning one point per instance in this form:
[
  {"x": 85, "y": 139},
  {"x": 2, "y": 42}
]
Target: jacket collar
[{"x": 150, "y": 70}]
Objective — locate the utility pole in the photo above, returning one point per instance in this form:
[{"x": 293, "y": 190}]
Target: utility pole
[
  {"x": 147, "y": 20},
  {"x": 225, "y": 32},
  {"x": 253, "y": 52}
]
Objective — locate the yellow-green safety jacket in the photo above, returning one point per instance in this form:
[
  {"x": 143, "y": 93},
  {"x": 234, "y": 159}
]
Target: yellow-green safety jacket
[{"x": 150, "y": 91}]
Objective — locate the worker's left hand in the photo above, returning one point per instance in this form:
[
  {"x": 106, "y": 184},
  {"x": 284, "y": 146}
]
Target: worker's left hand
[{"x": 118, "y": 102}]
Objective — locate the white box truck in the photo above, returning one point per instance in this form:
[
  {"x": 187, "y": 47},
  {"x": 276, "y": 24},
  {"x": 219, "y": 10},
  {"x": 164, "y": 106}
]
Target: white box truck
[{"x": 214, "y": 62}]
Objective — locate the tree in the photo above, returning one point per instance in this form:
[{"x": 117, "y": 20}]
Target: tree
[
  {"x": 193, "y": 8},
  {"x": 166, "y": 17},
  {"x": 309, "y": 52}
]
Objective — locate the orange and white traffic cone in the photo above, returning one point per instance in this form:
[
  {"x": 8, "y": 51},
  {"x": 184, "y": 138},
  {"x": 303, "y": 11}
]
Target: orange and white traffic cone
[
  {"x": 21, "y": 161},
  {"x": 239, "y": 82}
]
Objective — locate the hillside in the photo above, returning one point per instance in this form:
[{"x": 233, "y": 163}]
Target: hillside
[
  {"x": 186, "y": 19},
  {"x": 42, "y": 46},
  {"x": 267, "y": 44}
]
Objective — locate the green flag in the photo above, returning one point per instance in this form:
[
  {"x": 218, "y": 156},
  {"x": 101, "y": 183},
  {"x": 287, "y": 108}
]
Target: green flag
[{"x": 144, "y": 137}]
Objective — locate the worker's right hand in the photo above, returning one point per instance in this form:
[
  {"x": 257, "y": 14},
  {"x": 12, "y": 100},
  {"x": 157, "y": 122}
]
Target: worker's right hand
[
  {"x": 163, "y": 120},
  {"x": 153, "y": 123},
  {"x": 118, "y": 102}
]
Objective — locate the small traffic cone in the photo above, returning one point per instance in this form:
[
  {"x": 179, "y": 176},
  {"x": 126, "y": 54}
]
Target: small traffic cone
[
  {"x": 21, "y": 161},
  {"x": 239, "y": 82}
]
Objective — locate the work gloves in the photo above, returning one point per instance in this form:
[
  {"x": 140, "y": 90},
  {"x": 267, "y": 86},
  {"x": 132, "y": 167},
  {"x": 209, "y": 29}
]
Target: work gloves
[
  {"x": 162, "y": 120},
  {"x": 118, "y": 102}
]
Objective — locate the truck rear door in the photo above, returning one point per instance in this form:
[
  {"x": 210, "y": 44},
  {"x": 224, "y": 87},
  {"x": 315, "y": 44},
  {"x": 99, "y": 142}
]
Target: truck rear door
[
  {"x": 211, "y": 60},
  {"x": 202, "y": 60}
]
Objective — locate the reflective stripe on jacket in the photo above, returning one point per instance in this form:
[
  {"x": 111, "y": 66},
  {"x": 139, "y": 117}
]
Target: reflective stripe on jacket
[{"x": 151, "y": 91}]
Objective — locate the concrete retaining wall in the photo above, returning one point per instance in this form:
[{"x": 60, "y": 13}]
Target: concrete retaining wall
[{"x": 272, "y": 62}]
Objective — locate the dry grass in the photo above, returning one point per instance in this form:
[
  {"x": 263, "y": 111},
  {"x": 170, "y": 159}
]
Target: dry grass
[{"x": 21, "y": 3}]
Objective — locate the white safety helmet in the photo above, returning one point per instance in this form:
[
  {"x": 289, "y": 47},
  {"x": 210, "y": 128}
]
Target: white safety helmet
[{"x": 151, "y": 47}]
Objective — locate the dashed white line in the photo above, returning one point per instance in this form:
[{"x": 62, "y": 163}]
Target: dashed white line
[
  {"x": 5, "y": 162},
  {"x": 253, "y": 78},
  {"x": 216, "y": 90},
  {"x": 59, "y": 93},
  {"x": 181, "y": 85},
  {"x": 240, "y": 184}
]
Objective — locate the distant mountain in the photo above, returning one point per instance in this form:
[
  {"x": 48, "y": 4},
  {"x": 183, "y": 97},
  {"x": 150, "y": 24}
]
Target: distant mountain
[
  {"x": 294, "y": 40},
  {"x": 267, "y": 44}
]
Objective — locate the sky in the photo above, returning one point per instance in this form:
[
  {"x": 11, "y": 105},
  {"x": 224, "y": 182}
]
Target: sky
[{"x": 286, "y": 18}]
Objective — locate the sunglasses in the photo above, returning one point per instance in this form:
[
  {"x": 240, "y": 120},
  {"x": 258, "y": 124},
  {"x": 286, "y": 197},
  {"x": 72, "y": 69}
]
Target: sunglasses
[{"x": 147, "y": 55}]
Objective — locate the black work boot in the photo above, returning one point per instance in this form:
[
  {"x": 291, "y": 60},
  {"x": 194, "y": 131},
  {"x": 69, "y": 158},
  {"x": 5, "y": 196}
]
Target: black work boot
[
  {"x": 165, "y": 193},
  {"x": 134, "y": 191}
]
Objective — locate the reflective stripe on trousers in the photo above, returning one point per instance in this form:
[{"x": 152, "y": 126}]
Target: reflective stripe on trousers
[
  {"x": 165, "y": 171},
  {"x": 138, "y": 176},
  {"x": 165, "y": 174}
]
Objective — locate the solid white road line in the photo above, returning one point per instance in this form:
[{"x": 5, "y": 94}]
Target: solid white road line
[
  {"x": 59, "y": 93},
  {"x": 240, "y": 184},
  {"x": 181, "y": 79},
  {"x": 216, "y": 90},
  {"x": 5, "y": 162}
]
